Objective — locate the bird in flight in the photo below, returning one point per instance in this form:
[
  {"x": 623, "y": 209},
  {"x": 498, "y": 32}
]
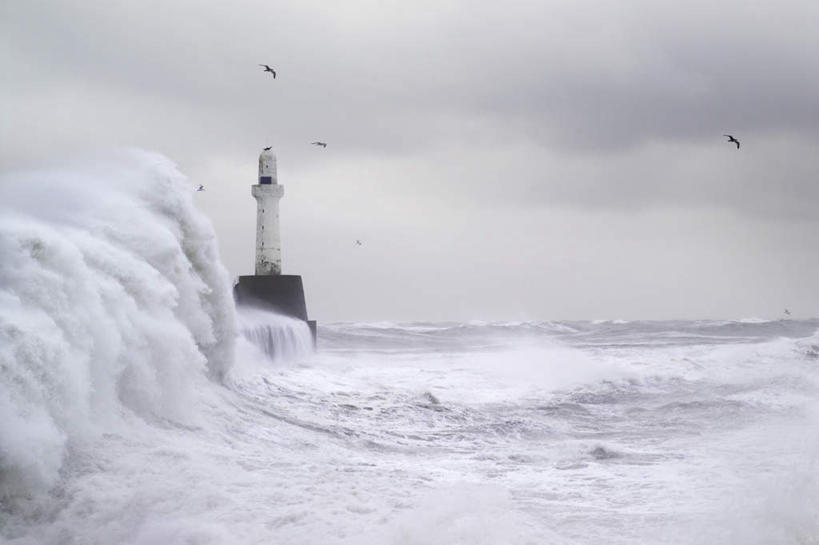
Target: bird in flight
[
  {"x": 268, "y": 69},
  {"x": 732, "y": 139},
  {"x": 200, "y": 188},
  {"x": 357, "y": 242},
  {"x": 268, "y": 148},
  {"x": 322, "y": 144}
]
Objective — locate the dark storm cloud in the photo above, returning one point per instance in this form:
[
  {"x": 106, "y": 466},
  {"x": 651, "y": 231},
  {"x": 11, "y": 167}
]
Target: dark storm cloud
[
  {"x": 587, "y": 75},
  {"x": 668, "y": 76}
]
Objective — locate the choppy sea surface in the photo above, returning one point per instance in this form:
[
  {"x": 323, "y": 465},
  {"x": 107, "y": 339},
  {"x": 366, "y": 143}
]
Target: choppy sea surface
[
  {"x": 643, "y": 432},
  {"x": 138, "y": 406}
]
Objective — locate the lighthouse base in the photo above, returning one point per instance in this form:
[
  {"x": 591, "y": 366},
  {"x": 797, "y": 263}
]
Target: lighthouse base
[{"x": 283, "y": 294}]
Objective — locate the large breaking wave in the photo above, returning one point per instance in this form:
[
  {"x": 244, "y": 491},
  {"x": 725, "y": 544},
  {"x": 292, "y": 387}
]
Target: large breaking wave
[
  {"x": 117, "y": 331},
  {"x": 113, "y": 300}
]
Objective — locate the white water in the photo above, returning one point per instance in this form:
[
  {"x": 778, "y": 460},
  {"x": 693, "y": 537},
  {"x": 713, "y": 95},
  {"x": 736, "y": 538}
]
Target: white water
[
  {"x": 131, "y": 412},
  {"x": 112, "y": 299},
  {"x": 279, "y": 338}
]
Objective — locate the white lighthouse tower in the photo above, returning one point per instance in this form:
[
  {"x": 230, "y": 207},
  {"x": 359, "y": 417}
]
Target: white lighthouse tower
[
  {"x": 269, "y": 288},
  {"x": 267, "y": 193}
]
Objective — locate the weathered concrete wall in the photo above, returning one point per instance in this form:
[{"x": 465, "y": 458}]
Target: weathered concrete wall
[
  {"x": 283, "y": 294},
  {"x": 267, "y": 168},
  {"x": 268, "y": 239}
]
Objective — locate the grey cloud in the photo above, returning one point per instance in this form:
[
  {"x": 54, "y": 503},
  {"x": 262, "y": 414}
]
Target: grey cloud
[
  {"x": 447, "y": 114},
  {"x": 595, "y": 79}
]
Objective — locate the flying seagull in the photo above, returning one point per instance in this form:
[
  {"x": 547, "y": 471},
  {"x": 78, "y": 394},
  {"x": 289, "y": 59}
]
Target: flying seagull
[
  {"x": 268, "y": 69},
  {"x": 732, "y": 139},
  {"x": 322, "y": 144},
  {"x": 200, "y": 188},
  {"x": 268, "y": 148},
  {"x": 357, "y": 242}
]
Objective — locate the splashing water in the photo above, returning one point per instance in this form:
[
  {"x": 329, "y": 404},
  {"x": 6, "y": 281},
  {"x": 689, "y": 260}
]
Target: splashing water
[
  {"x": 112, "y": 299},
  {"x": 280, "y": 338}
]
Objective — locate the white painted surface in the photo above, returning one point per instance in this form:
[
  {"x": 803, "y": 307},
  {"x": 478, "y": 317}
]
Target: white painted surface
[
  {"x": 267, "y": 165},
  {"x": 268, "y": 240}
]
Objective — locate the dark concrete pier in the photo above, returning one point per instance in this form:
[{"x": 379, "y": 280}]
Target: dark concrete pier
[{"x": 283, "y": 294}]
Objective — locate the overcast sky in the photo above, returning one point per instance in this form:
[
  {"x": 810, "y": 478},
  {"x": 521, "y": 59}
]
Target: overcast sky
[{"x": 498, "y": 160}]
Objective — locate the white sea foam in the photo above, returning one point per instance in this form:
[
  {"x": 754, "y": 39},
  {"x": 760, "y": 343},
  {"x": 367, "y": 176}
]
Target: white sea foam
[
  {"x": 112, "y": 298},
  {"x": 279, "y": 338},
  {"x": 754, "y": 320},
  {"x": 614, "y": 322}
]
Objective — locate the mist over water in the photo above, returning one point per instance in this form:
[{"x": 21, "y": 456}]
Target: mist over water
[{"x": 138, "y": 406}]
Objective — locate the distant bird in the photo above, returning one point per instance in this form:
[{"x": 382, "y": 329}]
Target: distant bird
[
  {"x": 322, "y": 144},
  {"x": 357, "y": 242},
  {"x": 268, "y": 148},
  {"x": 200, "y": 188},
  {"x": 268, "y": 69},
  {"x": 787, "y": 312},
  {"x": 732, "y": 139}
]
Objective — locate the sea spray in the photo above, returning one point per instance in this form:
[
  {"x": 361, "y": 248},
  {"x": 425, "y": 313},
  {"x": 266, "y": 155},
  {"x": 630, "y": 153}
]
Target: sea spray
[
  {"x": 112, "y": 298},
  {"x": 280, "y": 338},
  {"x": 114, "y": 313}
]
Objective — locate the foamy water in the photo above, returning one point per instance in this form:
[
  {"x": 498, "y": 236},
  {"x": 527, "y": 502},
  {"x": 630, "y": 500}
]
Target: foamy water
[{"x": 138, "y": 407}]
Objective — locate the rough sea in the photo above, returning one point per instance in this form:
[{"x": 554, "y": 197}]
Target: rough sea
[{"x": 139, "y": 406}]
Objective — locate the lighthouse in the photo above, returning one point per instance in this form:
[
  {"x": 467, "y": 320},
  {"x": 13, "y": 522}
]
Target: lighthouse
[
  {"x": 268, "y": 193},
  {"x": 268, "y": 287}
]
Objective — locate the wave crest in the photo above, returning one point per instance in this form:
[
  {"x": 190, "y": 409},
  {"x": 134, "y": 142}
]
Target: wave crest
[{"x": 112, "y": 299}]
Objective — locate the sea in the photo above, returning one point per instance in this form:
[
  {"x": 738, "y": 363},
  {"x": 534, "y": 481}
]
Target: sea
[{"x": 138, "y": 405}]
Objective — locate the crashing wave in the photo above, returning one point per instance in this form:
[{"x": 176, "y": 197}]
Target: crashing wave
[
  {"x": 112, "y": 299},
  {"x": 280, "y": 338}
]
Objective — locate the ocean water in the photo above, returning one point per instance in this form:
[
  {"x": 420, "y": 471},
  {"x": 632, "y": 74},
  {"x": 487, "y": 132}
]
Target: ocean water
[{"x": 138, "y": 406}]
